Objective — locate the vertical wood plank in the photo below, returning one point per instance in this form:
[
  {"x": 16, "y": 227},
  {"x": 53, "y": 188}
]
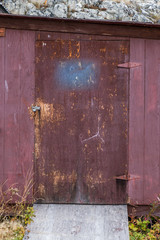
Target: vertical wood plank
[
  {"x": 136, "y": 122},
  {"x": 19, "y": 95},
  {"x": 26, "y": 125},
  {"x": 12, "y": 100},
  {"x": 2, "y": 133},
  {"x": 152, "y": 121}
]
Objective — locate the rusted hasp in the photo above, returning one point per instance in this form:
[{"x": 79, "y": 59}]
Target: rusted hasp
[
  {"x": 127, "y": 177},
  {"x": 129, "y": 65},
  {"x": 36, "y": 108},
  {"x": 2, "y": 32}
]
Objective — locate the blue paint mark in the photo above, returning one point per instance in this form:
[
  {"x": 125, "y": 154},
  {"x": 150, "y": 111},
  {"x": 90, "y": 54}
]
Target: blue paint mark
[{"x": 77, "y": 74}]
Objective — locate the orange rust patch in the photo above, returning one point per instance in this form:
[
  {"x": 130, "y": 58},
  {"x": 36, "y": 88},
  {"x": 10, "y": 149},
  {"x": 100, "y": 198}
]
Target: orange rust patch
[
  {"x": 37, "y": 140},
  {"x": 2, "y": 32},
  {"x": 41, "y": 189},
  {"x": 123, "y": 49},
  {"x": 125, "y": 111},
  {"x": 89, "y": 132},
  {"x": 58, "y": 177},
  {"x": 93, "y": 179},
  {"x": 111, "y": 112},
  {"x": 103, "y": 50},
  {"x": 99, "y": 147},
  {"x": 71, "y": 132},
  {"x": 125, "y": 118},
  {"x": 74, "y": 49},
  {"x": 51, "y": 113},
  {"x": 70, "y": 49},
  {"x": 35, "y": 116},
  {"x": 83, "y": 117}
]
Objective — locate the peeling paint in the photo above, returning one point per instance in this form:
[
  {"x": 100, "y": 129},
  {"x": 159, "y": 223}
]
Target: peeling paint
[
  {"x": 111, "y": 112},
  {"x": 103, "y": 50},
  {"x": 51, "y": 113},
  {"x": 124, "y": 50},
  {"x": 37, "y": 136},
  {"x": 57, "y": 177},
  {"x": 95, "y": 178},
  {"x": 41, "y": 189},
  {"x": 75, "y": 74}
]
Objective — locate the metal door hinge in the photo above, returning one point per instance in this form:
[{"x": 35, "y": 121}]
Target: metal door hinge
[
  {"x": 127, "y": 177},
  {"x": 129, "y": 65}
]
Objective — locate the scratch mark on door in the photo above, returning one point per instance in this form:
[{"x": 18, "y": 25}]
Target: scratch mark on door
[{"x": 97, "y": 135}]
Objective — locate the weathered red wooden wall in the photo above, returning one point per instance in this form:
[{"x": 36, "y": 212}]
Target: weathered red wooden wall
[
  {"x": 144, "y": 122},
  {"x": 16, "y": 95},
  {"x": 2, "y": 51}
]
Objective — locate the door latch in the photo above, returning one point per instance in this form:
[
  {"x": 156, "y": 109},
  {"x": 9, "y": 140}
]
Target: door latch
[{"x": 36, "y": 108}]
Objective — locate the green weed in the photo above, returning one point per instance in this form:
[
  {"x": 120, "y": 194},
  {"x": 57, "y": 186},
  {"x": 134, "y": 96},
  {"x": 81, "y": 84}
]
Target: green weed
[{"x": 146, "y": 227}]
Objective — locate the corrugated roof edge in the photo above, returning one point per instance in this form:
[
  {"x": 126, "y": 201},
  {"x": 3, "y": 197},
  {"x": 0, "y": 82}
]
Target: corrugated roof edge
[{"x": 81, "y": 26}]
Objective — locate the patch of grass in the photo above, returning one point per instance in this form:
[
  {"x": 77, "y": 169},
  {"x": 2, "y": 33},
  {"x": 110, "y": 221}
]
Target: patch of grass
[
  {"x": 11, "y": 230},
  {"x": 146, "y": 227},
  {"x": 14, "y": 217}
]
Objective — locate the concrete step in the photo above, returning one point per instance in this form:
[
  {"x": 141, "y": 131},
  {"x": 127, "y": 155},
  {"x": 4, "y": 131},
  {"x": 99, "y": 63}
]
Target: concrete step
[{"x": 79, "y": 222}]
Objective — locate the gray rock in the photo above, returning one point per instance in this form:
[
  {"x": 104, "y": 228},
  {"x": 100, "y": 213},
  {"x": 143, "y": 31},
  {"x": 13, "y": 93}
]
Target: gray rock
[
  {"x": 60, "y": 10},
  {"x": 121, "y": 10},
  {"x": 30, "y": 7}
]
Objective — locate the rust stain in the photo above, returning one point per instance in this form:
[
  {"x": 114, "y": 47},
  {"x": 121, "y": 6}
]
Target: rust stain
[
  {"x": 77, "y": 49},
  {"x": 111, "y": 112},
  {"x": 104, "y": 63},
  {"x": 102, "y": 107},
  {"x": 57, "y": 177},
  {"x": 103, "y": 125},
  {"x": 37, "y": 150},
  {"x": 39, "y": 36},
  {"x": 38, "y": 59},
  {"x": 112, "y": 92},
  {"x": 2, "y": 32},
  {"x": 38, "y": 44},
  {"x": 124, "y": 50},
  {"x": 99, "y": 147},
  {"x": 125, "y": 111},
  {"x": 72, "y": 94},
  {"x": 41, "y": 189},
  {"x": 83, "y": 117},
  {"x": 70, "y": 50},
  {"x": 71, "y": 132},
  {"x": 42, "y": 168},
  {"x": 89, "y": 132},
  {"x": 35, "y": 116},
  {"x": 93, "y": 178},
  {"x": 103, "y": 50},
  {"x": 51, "y": 113},
  {"x": 74, "y": 49},
  {"x": 125, "y": 118}
]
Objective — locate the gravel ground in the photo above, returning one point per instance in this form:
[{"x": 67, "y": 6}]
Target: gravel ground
[{"x": 120, "y": 10}]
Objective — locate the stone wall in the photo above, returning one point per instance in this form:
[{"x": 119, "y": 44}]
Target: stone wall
[{"x": 120, "y": 10}]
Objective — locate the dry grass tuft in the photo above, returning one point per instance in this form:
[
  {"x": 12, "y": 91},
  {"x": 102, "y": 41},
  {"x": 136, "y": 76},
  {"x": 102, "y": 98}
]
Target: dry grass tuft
[
  {"x": 11, "y": 230},
  {"x": 15, "y": 217}
]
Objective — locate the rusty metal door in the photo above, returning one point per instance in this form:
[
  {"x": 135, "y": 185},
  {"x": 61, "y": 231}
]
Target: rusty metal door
[{"x": 81, "y": 122}]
